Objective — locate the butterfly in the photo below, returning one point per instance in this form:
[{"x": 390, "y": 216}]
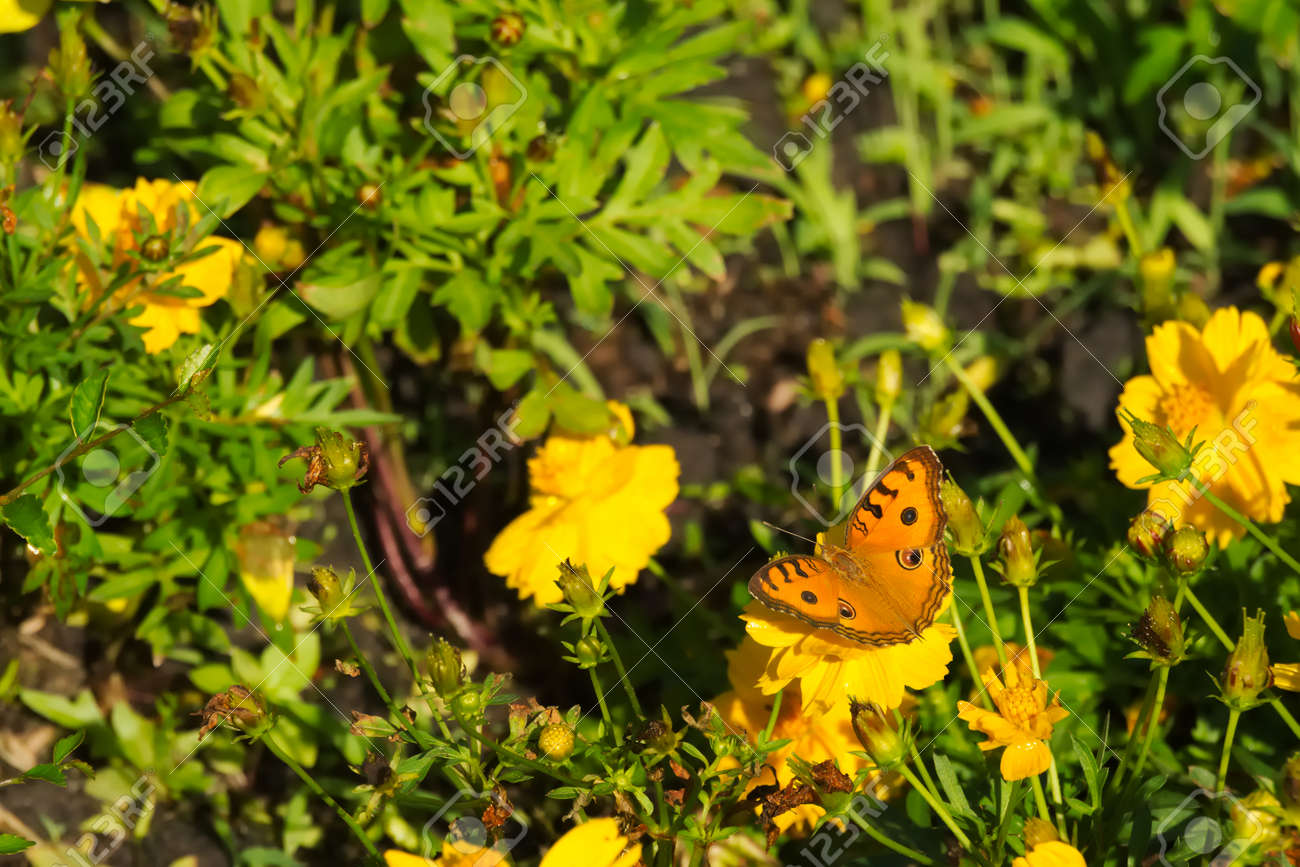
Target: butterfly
[{"x": 888, "y": 581}]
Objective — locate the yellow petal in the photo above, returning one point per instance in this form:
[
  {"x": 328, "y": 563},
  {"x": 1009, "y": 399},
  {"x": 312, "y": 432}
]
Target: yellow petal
[
  {"x": 1176, "y": 354},
  {"x": 1053, "y": 853},
  {"x": 1292, "y": 622},
  {"x": 1026, "y": 758},
  {"x": 1286, "y": 676},
  {"x": 19, "y": 15},
  {"x": 596, "y": 843}
]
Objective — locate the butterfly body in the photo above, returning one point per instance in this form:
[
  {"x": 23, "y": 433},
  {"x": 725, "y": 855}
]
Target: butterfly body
[{"x": 873, "y": 590}]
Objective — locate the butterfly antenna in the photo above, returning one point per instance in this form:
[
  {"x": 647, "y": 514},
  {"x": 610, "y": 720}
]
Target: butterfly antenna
[{"x": 789, "y": 532}]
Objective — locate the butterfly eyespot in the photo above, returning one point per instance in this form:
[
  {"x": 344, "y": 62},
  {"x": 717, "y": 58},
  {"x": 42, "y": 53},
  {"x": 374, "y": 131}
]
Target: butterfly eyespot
[
  {"x": 847, "y": 611},
  {"x": 909, "y": 516},
  {"x": 909, "y": 558},
  {"x": 809, "y": 597}
]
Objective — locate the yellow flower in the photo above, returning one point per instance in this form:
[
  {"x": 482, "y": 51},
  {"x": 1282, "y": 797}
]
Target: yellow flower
[
  {"x": 459, "y": 854},
  {"x": 19, "y": 15},
  {"x": 596, "y": 843},
  {"x": 1286, "y": 675},
  {"x": 1052, "y": 853},
  {"x": 594, "y": 502},
  {"x": 116, "y": 215},
  {"x": 265, "y": 553},
  {"x": 828, "y": 668},
  {"x": 1022, "y": 723},
  {"x": 813, "y": 737},
  {"x": 1230, "y": 384}
]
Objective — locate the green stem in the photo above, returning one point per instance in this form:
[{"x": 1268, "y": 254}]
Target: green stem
[
  {"x": 837, "y": 471},
  {"x": 968, "y": 656},
  {"x": 1053, "y": 775},
  {"x": 604, "y": 708},
  {"x": 940, "y": 810},
  {"x": 1040, "y": 800},
  {"x": 618, "y": 666},
  {"x": 1029, "y": 632},
  {"x": 1290, "y": 721},
  {"x": 1004, "y": 822},
  {"x": 1208, "y": 618},
  {"x": 370, "y": 672},
  {"x": 772, "y": 717},
  {"x": 307, "y": 778},
  {"x": 995, "y": 421},
  {"x": 1233, "y": 716},
  {"x": 399, "y": 640},
  {"x": 1130, "y": 228},
  {"x": 880, "y": 838},
  {"x": 878, "y": 442},
  {"x": 1265, "y": 539},
  {"x": 1153, "y": 720},
  {"x": 989, "y": 613}
]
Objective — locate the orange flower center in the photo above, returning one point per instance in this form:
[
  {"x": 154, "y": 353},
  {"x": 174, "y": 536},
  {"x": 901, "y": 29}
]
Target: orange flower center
[
  {"x": 1019, "y": 705},
  {"x": 1186, "y": 406}
]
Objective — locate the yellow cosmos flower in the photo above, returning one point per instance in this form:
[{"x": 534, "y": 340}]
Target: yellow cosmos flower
[
  {"x": 453, "y": 855},
  {"x": 116, "y": 214},
  {"x": 593, "y": 502},
  {"x": 1286, "y": 675},
  {"x": 813, "y": 737},
  {"x": 19, "y": 15},
  {"x": 1022, "y": 723},
  {"x": 596, "y": 843},
  {"x": 1230, "y": 384},
  {"x": 829, "y": 668},
  {"x": 1053, "y": 853}
]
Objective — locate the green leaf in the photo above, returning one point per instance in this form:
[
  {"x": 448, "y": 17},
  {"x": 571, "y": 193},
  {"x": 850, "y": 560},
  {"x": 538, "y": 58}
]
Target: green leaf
[
  {"x": 340, "y": 295},
  {"x": 226, "y": 189},
  {"x": 952, "y": 788},
  {"x": 506, "y": 366},
  {"x": 70, "y": 713},
  {"x": 26, "y": 517},
  {"x": 373, "y": 11},
  {"x": 1090, "y": 769},
  {"x": 67, "y": 744},
  {"x": 469, "y": 299},
  {"x": 645, "y": 167},
  {"x": 194, "y": 369},
  {"x": 11, "y": 843},
  {"x": 532, "y": 414},
  {"x": 87, "y": 402},
  {"x": 153, "y": 430},
  {"x": 45, "y": 773},
  {"x": 578, "y": 413}
]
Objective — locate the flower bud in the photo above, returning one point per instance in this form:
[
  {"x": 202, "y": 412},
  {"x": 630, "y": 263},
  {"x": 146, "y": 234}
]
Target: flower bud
[
  {"x": 946, "y": 417},
  {"x": 1291, "y": 780},
  {"x": 369, "y": 196},
  {"x": 1156, "y": 277},
  {"x": 69, "y": 64},
  {"x": 983, "y": 372},
  {"x": 238, "y": 706},
  {"x": 1256, "y": 818},
  {"x": 1247, "y": 673},
  {"x": 1193, "y": 310},
  {"x": 886, "y": 746},
  {"x": 1147, "y": 533},
  {"x": 336, "y": 461},
  {"x": 924, "y": 327},
  {"x": 579, "y": 592},
  {"x": 155, "y": 248},
  {"x": 266, "y": 552},
  {"x": 827, "y": 378},
  {"x": 1160, "y": 632},
  {"x": 889, "y": 377},
  {"x": 507, "y": 28},
  {"x": 1186, "y": 549},
  {"x": 325, "y": 585},
  {"x": 556, "y": 741},
  {"x": 446, "y": 670},
  {"x": 588, "y": 652},
  {"x": 12, "y": 138},
  {"x": 963, "y": 521},
  {"x": 1039, "y": 831},
  {"x": 1160, "y": 448},
  {"x": 1019, "y": 566}
]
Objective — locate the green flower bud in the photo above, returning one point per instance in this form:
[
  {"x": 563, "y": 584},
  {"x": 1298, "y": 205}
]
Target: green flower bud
[
  {"x": 580, "y": 592},
  {"x": 1019, "y": 566},
  {"x": 336, "y": 461},
  {"x": 589, "y": 652},
  {"x": 1291, "y": 781},
  {"x": 889, "y": 377},
  {"x": 1039, "y": 831},
  {"x": 69, "y": 64},
  {"x": 924, "y": 327},
  {"x": 446, "y": 670},
  {"x": 507, "y": 28},
  {"x": 155, "y": 248},
  {"x": 1158, "y": 445},
  {"x": 1160, "y": 632},
  {"x": 963, "y": 521},
  {"x": 1186, "y": 549},
  {"x": 885, "y": 744},
  {"x": 1147, "y": 533},
  {"x": 827, "y": 378},
  {"x": 241, "y": 708},
  {"x": 1247, "y": 673},
  {"x": 12, "y": 138}
]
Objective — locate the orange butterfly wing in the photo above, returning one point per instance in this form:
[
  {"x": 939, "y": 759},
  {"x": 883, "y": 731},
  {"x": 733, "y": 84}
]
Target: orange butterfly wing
[
  {"x": 900, "y": 572},
  {"x": 801, "y": 586}
]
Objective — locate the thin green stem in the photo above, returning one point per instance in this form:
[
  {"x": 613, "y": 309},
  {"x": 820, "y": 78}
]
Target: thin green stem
[
  {"x": 772, "y": 717},
  {"x": 940, "y": 810},
  {"x": 995, "y": 421},
  {"x": 1233, "y": 715},
  {"x": 1029, "y": 632},
  {"x": 1130, "y": 228},
  {"x": 604, "y": 708},
  {"x": 837, "y": 471},
  {"x": 1040, "y": 800},
  {"x": 978, "y": 568},
  {"x": 1053, "y": 775},
  {"x": 1153, "y": 720},
  {"x": 1265, "y": 539},
  {"x": 968, "y": 656},
  {"x": 399, "y": 641},
  {"x": 1286, "y": 716},
  {"x": 1208, "y": 618},
  {"x": 282, "y": 755},
  {"x": 1004, "y": 821},
  {"x": 880, "y": 838},
  {"x": 618, "y": 666},
  {"x": 878, "y": 441},
  {"x": 370, "y": 671}
]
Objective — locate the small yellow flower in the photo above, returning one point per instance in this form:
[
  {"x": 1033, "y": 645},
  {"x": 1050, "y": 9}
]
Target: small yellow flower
[
  {"x": 1286, "y": 675},
  {"x": 19, "y": 15},
  {"x": 1052, "y": 853},
  {"x": 116, "y": 215},
  {"x": 829, "y": 669},
  {"x": 1022, "y": 723},
  {"x": 265, "y": 553},
  {"x": 596, "y": 843},
  {"x": 595, "y": 503},
  {"x": 923, "y": 326},
  {"x": 1230, "y": 384}
]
